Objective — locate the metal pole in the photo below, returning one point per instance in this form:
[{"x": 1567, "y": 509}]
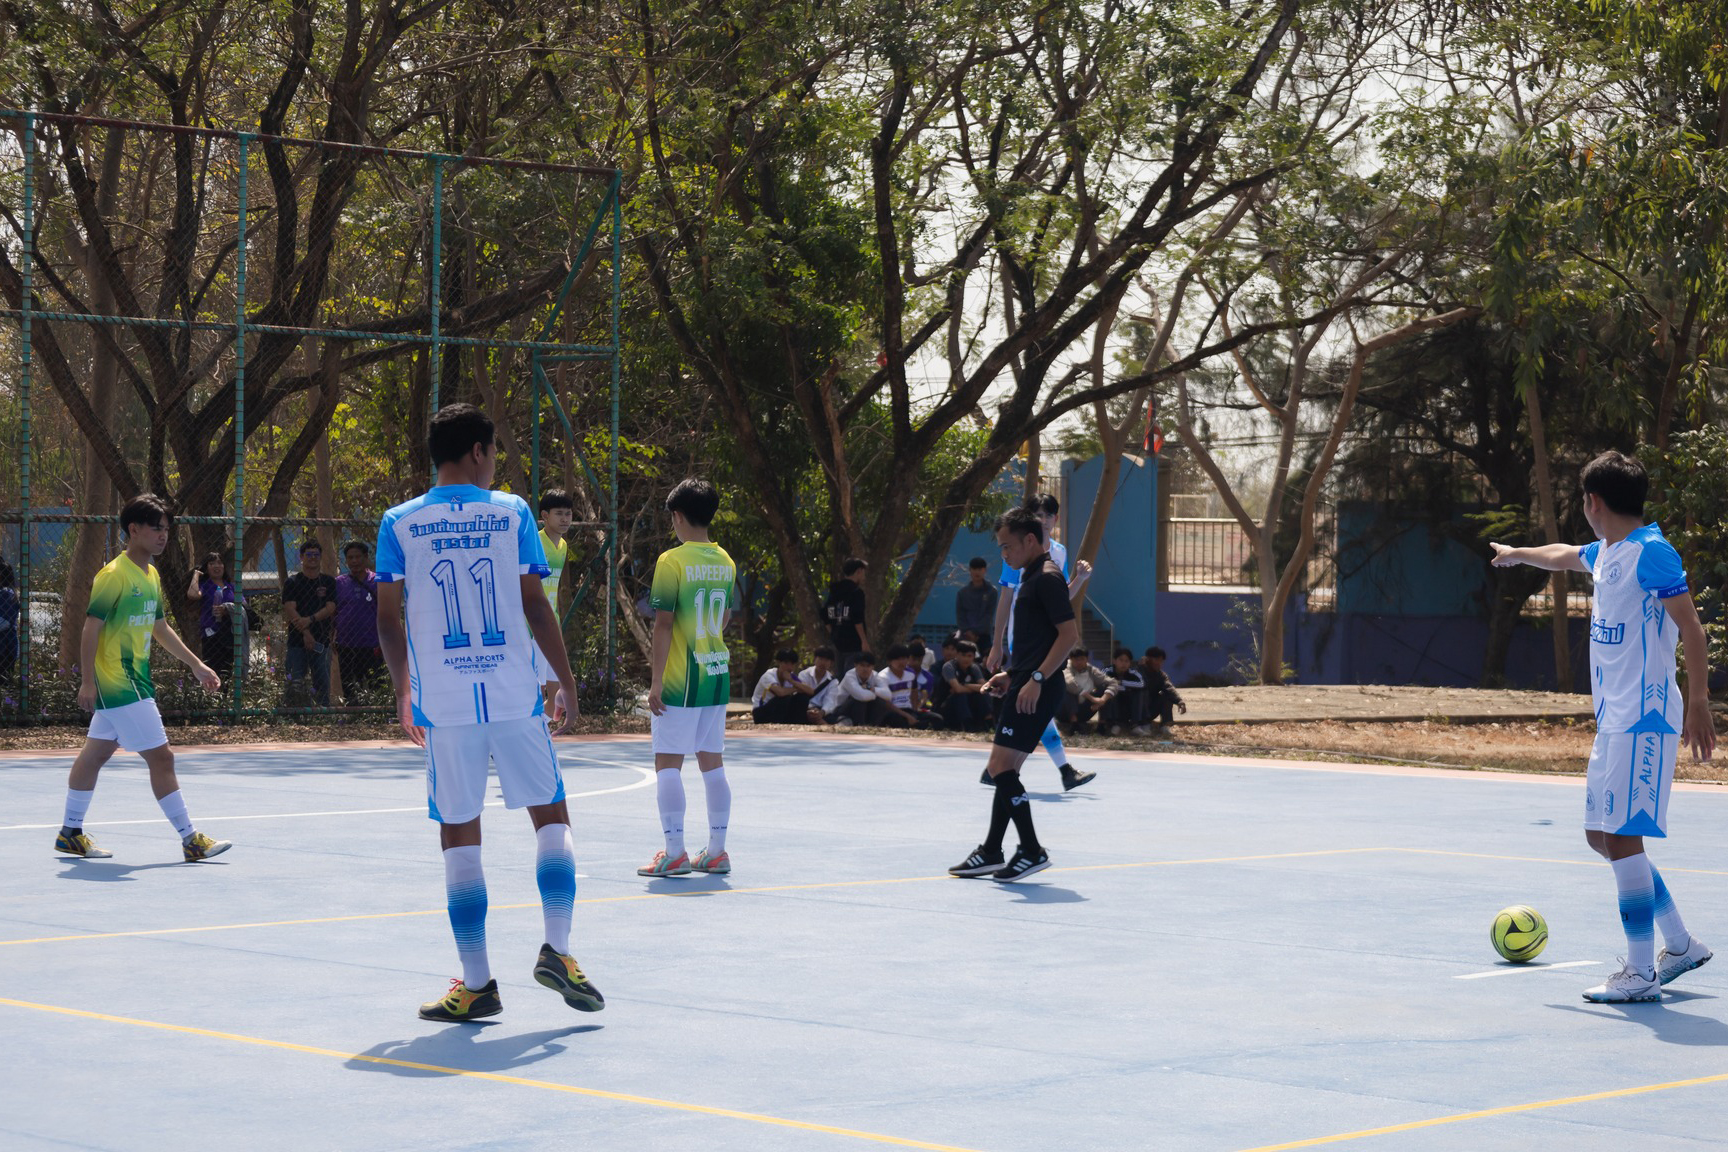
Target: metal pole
[
  {"x": 236, "y": 572},
  {"x": 612, "y": 539},
  {"x": 534, "y": 375},
  {"x": 437, "y": 276},
  {"x": 24, "y": 418}
]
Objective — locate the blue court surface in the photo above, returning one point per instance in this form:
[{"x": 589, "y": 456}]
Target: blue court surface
[{"x": 1227, "y": 955}]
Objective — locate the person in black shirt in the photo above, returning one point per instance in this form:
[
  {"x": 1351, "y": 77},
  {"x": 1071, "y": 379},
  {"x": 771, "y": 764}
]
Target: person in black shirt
[
  {"x": 1030, "y": 687},
  {"x": 965, "y": 703},
  {"x": 309, "y": 604},
  {"x": 1162, "y": 699},
  {"x": 975, "y": 602},
  {"x": 845, "y": 612}
]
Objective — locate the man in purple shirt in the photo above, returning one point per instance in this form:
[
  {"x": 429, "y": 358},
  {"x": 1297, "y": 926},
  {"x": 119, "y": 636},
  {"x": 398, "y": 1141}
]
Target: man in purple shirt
[{"x": 357, "y": 651}]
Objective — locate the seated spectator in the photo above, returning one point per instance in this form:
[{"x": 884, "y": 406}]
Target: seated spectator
[
  {"x": 1088, "y": 691},
  {"x": 966, "y": 704},
  {"x": 1161, "y": 694},
  {"x": 906, "y": 692},
  {"x": 940, "y": 689},
  {"x": 1126, "y": 709},
  {"x": 779, "y": 698},
  {"x": 975, "y": 603},
  {"x": 821, "y": 686},
  {"x": 922, "y": 656},
  {"x": 864, "y": 694},
  {"x": 923, "y": 663}
]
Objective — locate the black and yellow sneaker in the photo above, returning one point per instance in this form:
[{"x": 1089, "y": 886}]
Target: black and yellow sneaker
[
  {"x": 73, "y": 842},
  {"x": 564, "y": 976},
  {"x": 462, "y": 1004},
  {"x": 200, "y": 847}
]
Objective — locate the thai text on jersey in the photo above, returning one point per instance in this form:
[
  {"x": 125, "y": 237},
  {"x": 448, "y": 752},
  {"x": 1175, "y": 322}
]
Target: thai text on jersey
[
  {"x": 128, "y": 601},
  {"x": 1631, "y": 636},
  {"x": 694, "y": 582},
  {"x": 460, "y": 553}
]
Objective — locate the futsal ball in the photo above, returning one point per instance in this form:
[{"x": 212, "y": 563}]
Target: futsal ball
[{"x": 1519, "y": 933}]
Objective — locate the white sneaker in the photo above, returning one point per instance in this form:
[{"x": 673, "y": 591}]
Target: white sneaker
[
  {"x": 1143, "y": 730},
  {"x": 1672, "y": 964},
  {"x": 1625, "y": 987},
  {"x": 843, "y": 722}
]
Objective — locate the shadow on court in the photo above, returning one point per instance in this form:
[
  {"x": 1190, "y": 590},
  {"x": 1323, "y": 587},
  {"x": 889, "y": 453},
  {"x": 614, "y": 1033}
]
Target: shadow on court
[
  {"x": 113, "y": 872},
  {"x": 468, "y": 1048},
  {"x": 1667, "y": 1025},
  {"x": 1042, "y": 894},
  {"x": 687, "y": 885}
]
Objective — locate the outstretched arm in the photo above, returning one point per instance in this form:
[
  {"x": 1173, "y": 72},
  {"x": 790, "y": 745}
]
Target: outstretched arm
[{"x": 1553, "y": 557}]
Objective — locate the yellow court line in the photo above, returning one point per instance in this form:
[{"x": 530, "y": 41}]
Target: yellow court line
[
  {"x": 669, "y": 896},
  {"x": 496, "y": 1077},
  {"x": 1504, "y": 1110}
]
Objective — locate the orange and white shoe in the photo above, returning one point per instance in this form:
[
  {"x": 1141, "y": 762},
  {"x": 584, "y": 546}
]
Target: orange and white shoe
[
  {"x": 666, "y": 867},
  {"x": 718, "y": 865}
]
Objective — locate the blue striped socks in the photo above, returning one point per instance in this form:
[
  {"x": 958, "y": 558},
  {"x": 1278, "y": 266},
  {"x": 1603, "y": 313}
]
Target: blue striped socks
[
  {"x": 1052, "y": 741},
  {"x": 1635, "y": 879},
  {"x": 555, "y": 872},
  {"x": 1674, "y": 934},
  {"x": 465, "y": 887}
]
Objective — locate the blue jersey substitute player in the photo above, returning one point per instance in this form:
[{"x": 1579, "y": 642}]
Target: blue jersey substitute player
[
  {"x": 1045, "y": 508},
  {"x": 460, "y": 610},
  {"x": 1640, "y": 607}
]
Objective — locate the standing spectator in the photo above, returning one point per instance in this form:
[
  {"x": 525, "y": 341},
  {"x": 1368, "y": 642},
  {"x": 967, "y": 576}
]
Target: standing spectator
[
  {"x": 906, "y": 692},
  {"x": 357, "y": 653},
  {"x": 220, "y": 611},
  {"x": 975, "y": 602},
  {"x": 1126, "y": 709},
  {"x": 779, "y": 698},
  {"x": 308, "y": 604},
  {"x": 864, "y": 694},
  {"x": 1088, "y": 691},
  {"x": 557, "y": 513},
  {"x": 1161, "y": 694},
  {"x": 845, "y": 612},
  {"x": 965, "y": 705},
  {"x": 8, "y": 624},
  {"x": 822, "y": 686}
]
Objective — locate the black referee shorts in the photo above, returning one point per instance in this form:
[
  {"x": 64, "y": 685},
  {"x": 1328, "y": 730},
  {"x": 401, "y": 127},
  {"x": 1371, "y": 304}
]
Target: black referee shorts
[{"x": 1022, "y": 731}]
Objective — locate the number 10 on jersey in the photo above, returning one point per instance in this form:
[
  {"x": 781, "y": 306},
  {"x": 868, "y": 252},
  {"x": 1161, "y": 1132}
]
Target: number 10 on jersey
[{"x": 444, "y": 575}]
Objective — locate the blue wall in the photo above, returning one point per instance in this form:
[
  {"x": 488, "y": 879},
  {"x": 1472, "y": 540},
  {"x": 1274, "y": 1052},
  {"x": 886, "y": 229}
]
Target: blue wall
[{"x": 1124, "y": 581}]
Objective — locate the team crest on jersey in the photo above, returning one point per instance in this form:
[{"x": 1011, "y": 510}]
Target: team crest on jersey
[{"x": 1612, "y": 575}]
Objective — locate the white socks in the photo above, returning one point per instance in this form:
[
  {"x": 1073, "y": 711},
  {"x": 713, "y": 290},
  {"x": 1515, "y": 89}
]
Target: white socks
[
  {"x": 669, "y": 792},
  {"x": 174, "y": 807},
  {"x": 719, "y": 809},
  {"x": 555, "y": 872},
  {"x": 1637, "y": 912},
  {"x": 465, "y": 888},
  {"x": 77, "y": 805}
]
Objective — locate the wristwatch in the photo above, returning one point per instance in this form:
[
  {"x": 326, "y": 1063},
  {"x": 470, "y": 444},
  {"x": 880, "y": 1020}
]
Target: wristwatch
[{"x": 1038, "y": 677}]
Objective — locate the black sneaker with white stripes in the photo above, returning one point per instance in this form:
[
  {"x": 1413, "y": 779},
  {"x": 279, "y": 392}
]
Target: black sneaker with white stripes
[
  {"x": 982, "y": 862},
  {"x": 1022, "y": 866}
]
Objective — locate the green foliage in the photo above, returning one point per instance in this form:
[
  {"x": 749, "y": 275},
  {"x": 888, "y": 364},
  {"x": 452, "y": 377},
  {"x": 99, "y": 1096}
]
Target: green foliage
[{"x": 1690, "y": 502}]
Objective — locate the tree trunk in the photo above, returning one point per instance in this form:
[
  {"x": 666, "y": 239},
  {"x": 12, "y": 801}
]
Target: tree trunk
[
  {"x": 1551, "y": 530},
  {"x": 1034, "y": 451}
]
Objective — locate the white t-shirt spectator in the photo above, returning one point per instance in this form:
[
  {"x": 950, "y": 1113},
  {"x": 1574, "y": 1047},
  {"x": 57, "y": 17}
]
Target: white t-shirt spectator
[
  {"x": 900, "y": 685},
  {"x": 875, "y": 688},
  {"x": 761, "y": 696},
  {"x": 826, "y": 691}
]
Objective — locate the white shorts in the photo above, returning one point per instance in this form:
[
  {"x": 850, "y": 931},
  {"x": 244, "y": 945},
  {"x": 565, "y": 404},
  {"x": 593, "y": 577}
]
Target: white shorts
[
  {"x": 1626, "y": 789},
  {"x": 136, "y": 727},
  {"x": 456, "y": 767},
  {"x": 687, "y": 731}
]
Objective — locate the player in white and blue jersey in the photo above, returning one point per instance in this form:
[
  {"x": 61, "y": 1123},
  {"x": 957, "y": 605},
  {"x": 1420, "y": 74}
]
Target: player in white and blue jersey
[
  {"x": 460, "y": 610},
  {"x": 1046, "y": 507},
  {"x": 1640, "y": 607}
]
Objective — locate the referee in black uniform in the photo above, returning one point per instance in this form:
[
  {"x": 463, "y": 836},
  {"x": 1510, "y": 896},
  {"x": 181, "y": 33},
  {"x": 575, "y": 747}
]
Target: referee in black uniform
[{"x": 1031, "y": 687}]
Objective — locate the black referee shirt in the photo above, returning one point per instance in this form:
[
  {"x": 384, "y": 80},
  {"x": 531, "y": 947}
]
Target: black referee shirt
[{"x": 1041, "y": 607}]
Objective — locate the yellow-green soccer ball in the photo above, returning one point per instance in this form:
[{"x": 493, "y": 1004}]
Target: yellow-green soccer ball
[{"x": 1519, "y": 933}]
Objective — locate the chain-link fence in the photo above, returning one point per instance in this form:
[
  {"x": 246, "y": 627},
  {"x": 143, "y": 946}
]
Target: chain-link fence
[{"x": 258, "y": 328}]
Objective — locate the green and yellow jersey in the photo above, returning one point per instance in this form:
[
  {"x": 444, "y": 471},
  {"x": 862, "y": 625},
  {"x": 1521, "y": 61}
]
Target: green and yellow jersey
[
  {"x": 128, "y": 600},
  {"x": 557, "y": 551},
  {"x": 694, "y": 582}
]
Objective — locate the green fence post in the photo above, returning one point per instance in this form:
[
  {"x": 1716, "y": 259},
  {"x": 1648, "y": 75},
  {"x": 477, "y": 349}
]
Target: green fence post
[
  {"x": 237, "y": 572},
  {"x": 617, "y": 353},
  {"x": 29, "y": 257},
  {"x": 437, "y": 281}
]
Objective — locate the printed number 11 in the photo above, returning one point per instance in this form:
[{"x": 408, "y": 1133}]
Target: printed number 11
[{"x": 444, "y": 575}]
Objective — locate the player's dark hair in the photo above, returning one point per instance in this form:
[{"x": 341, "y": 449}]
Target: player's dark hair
[
  {"x": 147, "y": 509},
  {"x": 898, "y": 652},
  {"x": 204, "y": 565},
  {"x": 698, "y": 500},
  {"x": 852, "y": 566},
  {"x": 1021, "y": 522},
  {"x": 953, "y": 641},
  {"x": 864, "y": 658},
  {"x": 1078, "y": 650},
  {"x": 1619, "y": 480},
  {"x": 1043, "y": 504},
  {"x": 978, "y": 562},
  {"x": 353, "y": 544},
  {"x": 310, "y": 543},
  {"x": 918, "y": 650},
  {"x": 556, "y": 498},
  {"x": 824, "y": 651},
  {"x": 1156, "y": 653},
  {"x": 455, "y": 430},
  {"x": 786, "y": 656},
  {"x": 1122, "y": 650},
  {"x": 966, "y": 647}
]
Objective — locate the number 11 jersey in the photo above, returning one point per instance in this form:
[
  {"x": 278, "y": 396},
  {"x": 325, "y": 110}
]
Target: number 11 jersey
[
  {"x": 694, "y": 582},
  {"x": 460, "y": 553}
]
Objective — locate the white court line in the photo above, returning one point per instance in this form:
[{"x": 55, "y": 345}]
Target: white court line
[
  {"x": 1515, "y": 970},
  {"x": 647, "y": 775}
]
